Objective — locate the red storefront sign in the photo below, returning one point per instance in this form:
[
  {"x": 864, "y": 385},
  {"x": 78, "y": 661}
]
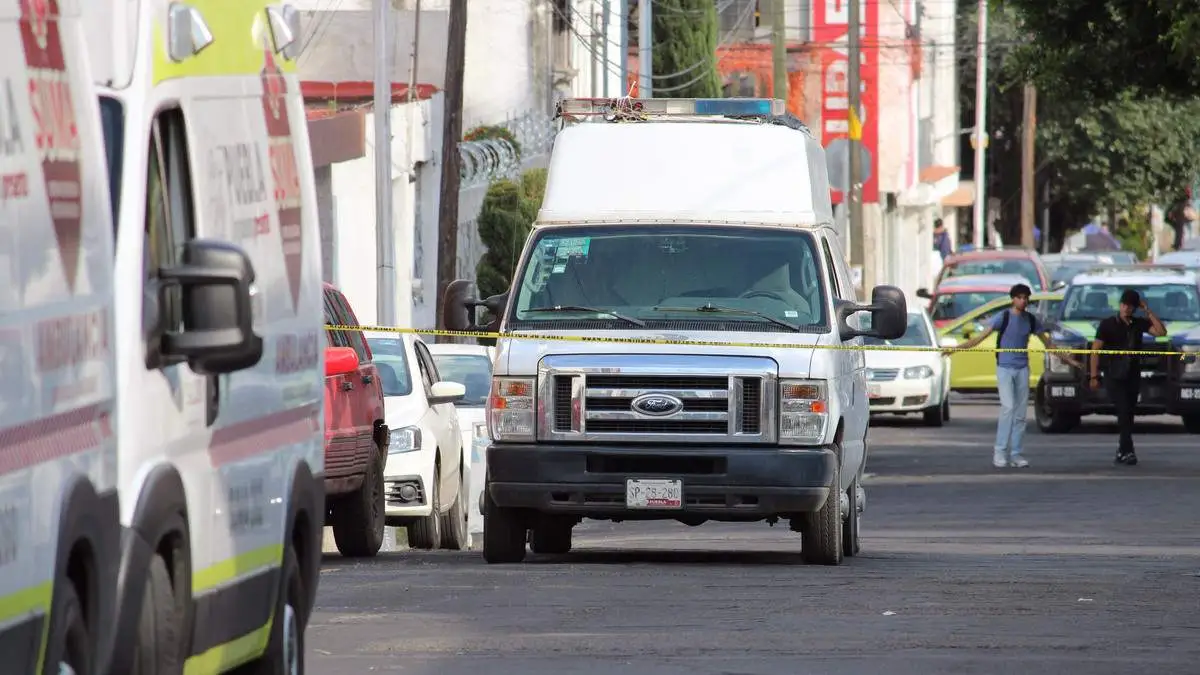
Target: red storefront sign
[{"x": 830, "y": 24}]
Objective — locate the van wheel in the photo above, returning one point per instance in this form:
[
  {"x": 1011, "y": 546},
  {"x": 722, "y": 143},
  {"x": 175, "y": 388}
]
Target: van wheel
[
  {"x": 851, "y": 538},
  {"x": 454, "y": 523},
  {"x": 358, "y": 518},
  {"x": 504, "y": 533},
  {"x": 160, "y": 632},
  {"x": 821, "y": 532},
  {"x": 285, "y": 649},
  {"x": 72, "y": 642},
  {"x": 551, "y": 536},
  {"x": 426, "y": 532}
]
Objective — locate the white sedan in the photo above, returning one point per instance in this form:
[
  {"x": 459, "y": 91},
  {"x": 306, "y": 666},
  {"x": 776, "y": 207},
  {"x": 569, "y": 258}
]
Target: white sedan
[
  {"x": 471, "y": 366},
  {"x": 424, "y": 474},
  {"x": 904, "y": 382}
]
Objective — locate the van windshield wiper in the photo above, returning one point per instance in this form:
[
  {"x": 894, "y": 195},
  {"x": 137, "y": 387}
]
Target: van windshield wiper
[
  {"x": 718, "y": 309},
  {"x": 580, "y": 308}
]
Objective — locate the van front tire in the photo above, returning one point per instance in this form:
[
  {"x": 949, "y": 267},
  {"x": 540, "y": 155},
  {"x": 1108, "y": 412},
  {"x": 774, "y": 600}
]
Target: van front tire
[
  {"x": 821, "y": 532},
  {"x": 285, "y": 649},
  {"x": 160, "y": 631},
  {"x": 504, "y": 533}
]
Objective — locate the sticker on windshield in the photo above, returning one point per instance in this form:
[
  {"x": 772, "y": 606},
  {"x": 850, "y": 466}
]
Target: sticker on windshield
[
  {"x": 558, "y": 269},
  {"x": 568, "y": 248},
  {"x": 790, "y": 314}
]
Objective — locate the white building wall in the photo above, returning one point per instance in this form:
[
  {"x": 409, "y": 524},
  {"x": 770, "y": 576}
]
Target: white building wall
[{"x": 355, "y": 256}]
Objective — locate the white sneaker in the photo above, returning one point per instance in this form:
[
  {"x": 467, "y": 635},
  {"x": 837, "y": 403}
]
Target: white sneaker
[
  {"x": 1019, "y": 463},
  {"x": 999, "y": 460}
]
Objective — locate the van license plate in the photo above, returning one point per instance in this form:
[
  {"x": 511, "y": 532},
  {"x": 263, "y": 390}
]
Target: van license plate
[{"x": 653, "y": 494}]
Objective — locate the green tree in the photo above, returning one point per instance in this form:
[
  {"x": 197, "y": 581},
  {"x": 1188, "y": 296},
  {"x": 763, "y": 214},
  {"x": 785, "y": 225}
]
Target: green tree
[
  {"x": 685, "y": 47},
  {"x": 508, "y": 212},
  {"x": 1099, "y": 48}
]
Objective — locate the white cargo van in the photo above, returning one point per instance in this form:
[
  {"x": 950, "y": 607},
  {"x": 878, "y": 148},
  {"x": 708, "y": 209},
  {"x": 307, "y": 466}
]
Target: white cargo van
[
  {"x": 59, "y": 518},
  {"x": 681, "y": 221},
  {"x": 219, "y": 333}
]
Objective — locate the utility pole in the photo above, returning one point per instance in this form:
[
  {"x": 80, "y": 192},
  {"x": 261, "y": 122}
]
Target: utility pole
[
  {"x": 645, "y": 55},
  {"x": 980, "y": 207},
  {"x": 1028, "y": 158},
  {"x": 854, "y": 194},
  {"x": 456, "y": 48},
  {"x": 385, "y": 234},
  {"x": 779, "y": 49},
  {"x": 607, "y": 8},
  {"x": 624, "y": 56}
]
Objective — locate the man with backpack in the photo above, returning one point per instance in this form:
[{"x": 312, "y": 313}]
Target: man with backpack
[{"x": 1013, "y": 328}]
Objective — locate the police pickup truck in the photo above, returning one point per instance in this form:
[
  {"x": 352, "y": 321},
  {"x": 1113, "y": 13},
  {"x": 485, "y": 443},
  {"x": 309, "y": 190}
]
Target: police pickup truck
[{"x": 1170, "y": 384}]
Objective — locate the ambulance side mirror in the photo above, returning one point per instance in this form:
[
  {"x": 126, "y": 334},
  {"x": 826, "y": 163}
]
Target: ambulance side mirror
[{"x": 216, "y": 284}]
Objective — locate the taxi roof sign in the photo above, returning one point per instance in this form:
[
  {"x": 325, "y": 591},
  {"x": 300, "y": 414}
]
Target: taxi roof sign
[{"x": 683, "y": 107}]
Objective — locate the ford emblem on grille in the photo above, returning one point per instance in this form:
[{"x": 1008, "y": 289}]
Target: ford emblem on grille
[{"x": 656, "y": 405}]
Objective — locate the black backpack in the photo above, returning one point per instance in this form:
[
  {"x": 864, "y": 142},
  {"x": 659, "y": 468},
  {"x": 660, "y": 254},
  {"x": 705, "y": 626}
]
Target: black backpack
[{"x": 1033, "y": 321}]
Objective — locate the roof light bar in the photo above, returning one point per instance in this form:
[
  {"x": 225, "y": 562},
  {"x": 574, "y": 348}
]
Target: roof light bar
[{"x": 761, "y": 107}]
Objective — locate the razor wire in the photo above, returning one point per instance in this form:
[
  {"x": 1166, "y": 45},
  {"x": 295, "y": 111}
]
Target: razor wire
[{"x": 483, "y": 161}]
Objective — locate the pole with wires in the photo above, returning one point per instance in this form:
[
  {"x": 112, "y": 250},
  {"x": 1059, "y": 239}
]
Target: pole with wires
[
  {"x": 624, "y": 56},
  {"x": 980, "y": 141},
  {"x": 779, "y": 50},
  {"x": 385, "y": 235},
  {"x": 854, "y": 193},
  {"x": 645, "y": 56}
]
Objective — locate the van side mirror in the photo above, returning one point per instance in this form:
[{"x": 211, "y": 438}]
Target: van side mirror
[
  {"x": 216, "y": 281},
  {"x": 460, "y": 312},
  {"x": 340, "y": 361},
  {"x": 889, "y": 315}
]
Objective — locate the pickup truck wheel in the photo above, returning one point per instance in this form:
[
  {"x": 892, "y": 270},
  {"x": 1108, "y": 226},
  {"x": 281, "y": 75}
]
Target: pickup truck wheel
[
  {"x": 358, "y": 518},
  {"x": 426, "y": 532},
  {"x": 503, "y": 533},
  {"x": 821, "y": 532},
  {"x": 1049, "y": 420},
  {"x": 551, "y": 537},
  {"x": 851, "y": 542},
  {"x": 454, "y": 523}
]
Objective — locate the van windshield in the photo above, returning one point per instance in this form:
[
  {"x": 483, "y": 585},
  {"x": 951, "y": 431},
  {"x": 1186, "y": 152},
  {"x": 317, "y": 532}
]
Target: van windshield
[
  {"x": 683, "y": 277},
  {"x": 112, "y": 122}
]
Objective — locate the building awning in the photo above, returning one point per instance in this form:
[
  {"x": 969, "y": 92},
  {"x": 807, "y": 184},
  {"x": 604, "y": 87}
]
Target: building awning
[
  {"x": 963, "y": 195},
  {"x": 934, "y": 183}
]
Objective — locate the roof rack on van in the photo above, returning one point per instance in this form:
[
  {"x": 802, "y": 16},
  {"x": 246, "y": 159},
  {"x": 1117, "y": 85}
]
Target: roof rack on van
[{"x": 640, "y": 108}]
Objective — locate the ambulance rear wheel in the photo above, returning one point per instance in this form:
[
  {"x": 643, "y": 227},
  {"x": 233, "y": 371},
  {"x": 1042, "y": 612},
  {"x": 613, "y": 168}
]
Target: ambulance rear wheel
[
  {"x": 285, "y": 650},
  {"x": 160, "y": 631},
  {"x": 72, "y": 642}
]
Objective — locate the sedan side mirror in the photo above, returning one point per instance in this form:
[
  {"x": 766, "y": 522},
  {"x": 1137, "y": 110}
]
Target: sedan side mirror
[
  {"x": 340, "y": 361},
  {"x": 216, "y": 280},
  {"x": 446, "y": 392}
]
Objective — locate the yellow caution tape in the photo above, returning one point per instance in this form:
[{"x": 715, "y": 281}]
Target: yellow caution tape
[{"x": 439, "y": 332}]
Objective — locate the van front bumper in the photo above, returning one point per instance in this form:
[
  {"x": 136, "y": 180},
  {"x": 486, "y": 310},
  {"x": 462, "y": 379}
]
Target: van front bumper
[{"x": 718, "y": 482}]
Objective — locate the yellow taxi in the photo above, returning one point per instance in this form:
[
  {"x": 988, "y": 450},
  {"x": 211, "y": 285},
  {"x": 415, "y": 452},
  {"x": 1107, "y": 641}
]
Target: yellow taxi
[{"x": 975, "y": 371}]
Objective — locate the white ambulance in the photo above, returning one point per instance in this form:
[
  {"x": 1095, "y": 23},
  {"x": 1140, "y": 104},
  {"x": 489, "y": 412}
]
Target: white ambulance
[
  {"x": 59, "y": 526},
  {"x": 219, "y": 336}
]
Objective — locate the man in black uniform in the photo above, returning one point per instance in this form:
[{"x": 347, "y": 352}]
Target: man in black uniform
[{"x": 1122, "y": 376}]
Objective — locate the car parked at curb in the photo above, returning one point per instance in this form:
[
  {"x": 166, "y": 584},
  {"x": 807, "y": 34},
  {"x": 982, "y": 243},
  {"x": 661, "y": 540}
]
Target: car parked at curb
[
  {"x": 425, "y": 475},
  {"x": 471, "y": 366},
  {"x": 957, "y": 296},
  {"x": 906, "y": 382},
  {"x": 356, "y": 435},
  {"x": 975, "y": 371},
  {"x": 1021, "y": 261}
]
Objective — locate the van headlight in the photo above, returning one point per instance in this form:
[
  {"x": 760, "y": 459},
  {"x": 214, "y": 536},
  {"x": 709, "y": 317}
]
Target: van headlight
[
  {"x": 510, "y": 409},
  {"x": 404, "y": 439},
  {"x": 803, "y": 411},
  {"x": 1191, "y": 364},
  {"x": 918, "y": 373}
]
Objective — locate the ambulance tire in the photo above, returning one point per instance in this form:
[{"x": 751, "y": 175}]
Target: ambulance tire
[
  {"x": 72, "y": 642},
  {"x": 285, "y": 649},
  {"x": 160, "y": 630}
]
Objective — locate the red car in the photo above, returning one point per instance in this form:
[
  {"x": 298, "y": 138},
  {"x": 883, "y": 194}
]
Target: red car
[
  {"x": 958, "y": 295},
  {"x": 997, "y": 261},
  {"x": 356, "y": 437}
]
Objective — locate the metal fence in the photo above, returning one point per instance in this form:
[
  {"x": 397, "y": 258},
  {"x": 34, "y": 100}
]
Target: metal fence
[{"x": 493, "y": 159}]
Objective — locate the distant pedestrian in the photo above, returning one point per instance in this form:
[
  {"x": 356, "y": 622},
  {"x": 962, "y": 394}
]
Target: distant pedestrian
[
  {"x": 1122, "y": 373},
  {"x": 941, "y": 239},
  {"x": 1014, "y": 328}
]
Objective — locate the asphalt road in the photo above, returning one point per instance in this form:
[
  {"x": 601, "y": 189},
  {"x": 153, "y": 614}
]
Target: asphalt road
[{"x": 1071, "y": 566}]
